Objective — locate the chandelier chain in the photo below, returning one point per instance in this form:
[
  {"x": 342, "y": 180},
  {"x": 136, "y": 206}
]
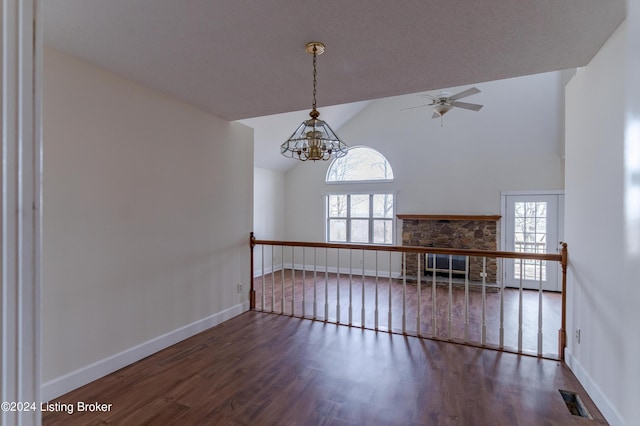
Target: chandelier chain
[{"x": 315, "y": 50}]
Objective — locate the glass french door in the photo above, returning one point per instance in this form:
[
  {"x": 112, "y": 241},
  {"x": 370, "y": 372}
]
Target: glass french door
[{"x": 532, "y": 225}]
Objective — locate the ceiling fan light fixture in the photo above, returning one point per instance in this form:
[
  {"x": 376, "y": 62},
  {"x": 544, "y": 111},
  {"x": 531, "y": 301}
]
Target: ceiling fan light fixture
[
  {"x": 442, "y": 109},
  {"x": 314, "y": 139}
]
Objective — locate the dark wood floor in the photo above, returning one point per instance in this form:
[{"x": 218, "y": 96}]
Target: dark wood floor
[
  {"x": 551, "y": 308},
  {"x": 264, "y": 369}
]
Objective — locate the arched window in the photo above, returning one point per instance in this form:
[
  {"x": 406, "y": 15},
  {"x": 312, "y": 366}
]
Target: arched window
[
  {"x": 360, "y": 217},
  {"x": 361, "y": 164}
]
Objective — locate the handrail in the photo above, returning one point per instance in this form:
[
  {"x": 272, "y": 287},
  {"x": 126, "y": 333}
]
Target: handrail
[
  {"x": 415, "y": 249},
  {"x": 562, "y": 258}
]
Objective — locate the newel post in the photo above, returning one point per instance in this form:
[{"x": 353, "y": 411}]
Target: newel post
[
  {"x": 562, "y": 333},
  {"x": 252, "y": 292}
]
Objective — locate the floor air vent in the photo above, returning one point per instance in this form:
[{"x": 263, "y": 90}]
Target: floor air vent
[{"x": 575, "y": 404}]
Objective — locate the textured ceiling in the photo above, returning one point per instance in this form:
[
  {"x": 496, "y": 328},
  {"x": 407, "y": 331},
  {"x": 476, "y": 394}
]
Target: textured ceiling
[{"x": 240, "y": 58}]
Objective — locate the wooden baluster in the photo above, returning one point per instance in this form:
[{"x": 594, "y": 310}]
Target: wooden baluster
[
  {"x": 263, "y": 268},
  {"x": 390, "y": 295},
  {"x": 404, "y": 293},
  {"x": 282, "y": 275},
  {"x": 304, "y": 280},
  {"x": 326, "y": 284},
  {"x": 540, "y": 313},
  {"x": 434, "y": 304},
  {"x": 315, "y": 283},
  {"x": 450, "y": 313},
  {"x": 504, "y": 277},
  {"x": 362, "y": 319},
  {"x": 350, "y": 287},
  {"x": 466, "y": 300},
  {"x": 293, "y": 281},
  {"x": 419, "y": 291},
  {"x": 338, "y": 288},
  {"x": 273, "y": 281},
  {"x": 375, "y": 326},
  {"x": 520, "y": 308},
  {"x": 483, "y": 333}
]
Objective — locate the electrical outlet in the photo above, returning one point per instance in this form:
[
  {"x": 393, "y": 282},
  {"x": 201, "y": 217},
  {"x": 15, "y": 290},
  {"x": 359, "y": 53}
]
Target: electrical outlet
[
  {"x": 239, "y": 287},
  {"x": 578, "y": 335}
]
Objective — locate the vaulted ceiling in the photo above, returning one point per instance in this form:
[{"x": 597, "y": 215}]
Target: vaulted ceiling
[
  {"x": 242, "y": 58},
  {"x": 245, "y": 59}
]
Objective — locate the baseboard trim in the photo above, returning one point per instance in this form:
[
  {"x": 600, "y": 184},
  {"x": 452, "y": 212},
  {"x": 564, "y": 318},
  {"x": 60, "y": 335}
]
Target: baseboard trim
[
  {"x": 260, "y": 272},
  {"x": 602, "y": 402},
  {"x": 61, "y": 385},
  {"x": 299, "y": 267}
]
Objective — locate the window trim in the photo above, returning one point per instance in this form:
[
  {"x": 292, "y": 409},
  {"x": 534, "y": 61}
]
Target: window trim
[
  {"x": 349, "y": 182},
  {"x": 370, "y": 218}
]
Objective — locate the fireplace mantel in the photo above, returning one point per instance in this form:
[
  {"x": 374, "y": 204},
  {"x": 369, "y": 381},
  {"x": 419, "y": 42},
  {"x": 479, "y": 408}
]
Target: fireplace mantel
[{"x": 492, "y": 218}]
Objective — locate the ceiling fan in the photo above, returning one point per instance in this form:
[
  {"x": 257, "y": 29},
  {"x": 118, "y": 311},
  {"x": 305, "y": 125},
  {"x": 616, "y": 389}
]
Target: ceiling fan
[{"x": 444, "y": 102}]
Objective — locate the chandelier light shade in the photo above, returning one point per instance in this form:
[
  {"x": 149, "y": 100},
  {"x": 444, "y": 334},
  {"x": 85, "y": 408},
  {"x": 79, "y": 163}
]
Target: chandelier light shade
[{"x": 314, "y": 139}]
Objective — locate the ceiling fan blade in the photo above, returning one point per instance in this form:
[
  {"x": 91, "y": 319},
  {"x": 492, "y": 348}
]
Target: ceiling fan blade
[
  {"x": 464, "y": 94},
  {"x": 466, "y": 105},
  {"x": 414, "y": 107},
  {"x": 426, "y": 95}
]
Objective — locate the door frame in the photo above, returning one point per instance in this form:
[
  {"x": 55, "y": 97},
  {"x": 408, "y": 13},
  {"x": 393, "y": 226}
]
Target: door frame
[
  {"x": 503, "y": 221},
  {"x": 20, "y": 209}
]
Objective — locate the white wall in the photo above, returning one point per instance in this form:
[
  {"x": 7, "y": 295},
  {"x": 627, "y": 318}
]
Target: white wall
[
  {"x": 601, "y": 285},
  {"x": 147, "y": 211},
  {"x": 268, "y": 217},
  {"x": 268, "y": 204},
  {"x": 513, "y": 143}
]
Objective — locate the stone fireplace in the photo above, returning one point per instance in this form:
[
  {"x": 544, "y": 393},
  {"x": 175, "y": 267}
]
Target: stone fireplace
[{"x": 475, "y": 232}]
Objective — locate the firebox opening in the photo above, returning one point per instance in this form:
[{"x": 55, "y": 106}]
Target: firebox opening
[{"x": 444, "y": 262}]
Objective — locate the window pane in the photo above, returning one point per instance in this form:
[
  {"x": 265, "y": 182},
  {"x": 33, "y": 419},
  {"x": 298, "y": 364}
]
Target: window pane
[
  {"x": 338, "y": 205},
  {"x": 519, "y": 224},
  {"x": 519, "y": 209},
  {"x": 338, "y": 230},
  {"x": 530, "y": 223},
  {"x": 382, "y": 231},
  {"x": 541, "y": 246},
  {"x": 361, "y": 164},
  {"x": 359, "y": 231},
  {"x": 360, "y": 205},
  {"x": 530, "y": 209},
  {"x": 383, "y": 205}
]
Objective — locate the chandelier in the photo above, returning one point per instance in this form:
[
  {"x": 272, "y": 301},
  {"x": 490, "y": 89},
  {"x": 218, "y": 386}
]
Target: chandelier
[{"x": 314, "y": 139}]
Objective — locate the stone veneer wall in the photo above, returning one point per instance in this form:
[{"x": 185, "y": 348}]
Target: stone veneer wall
[{"x": 460, "y": 232}]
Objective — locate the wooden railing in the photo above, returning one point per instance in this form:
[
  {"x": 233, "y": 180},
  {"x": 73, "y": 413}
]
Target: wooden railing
[{"x": 397, "y": 289}]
